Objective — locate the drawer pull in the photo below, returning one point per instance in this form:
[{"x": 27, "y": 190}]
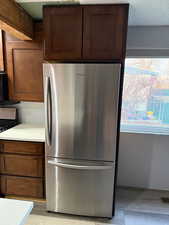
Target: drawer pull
[{"x": 80, "y": 167}]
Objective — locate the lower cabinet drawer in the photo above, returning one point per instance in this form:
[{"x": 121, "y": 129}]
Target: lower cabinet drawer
[
  {"x": 21, "y": 147},
  {"x": 31, "y": 166},
  {"x": 22, "y": 186}
]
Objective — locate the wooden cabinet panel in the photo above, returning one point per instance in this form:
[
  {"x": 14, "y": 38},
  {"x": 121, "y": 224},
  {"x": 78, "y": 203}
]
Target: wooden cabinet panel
[
  {"x": 92, "y": 32},
  {"x": 27, "y": 65},
  {"x": 63, "y": 32},
  {"x": 24, "y": 67},
  {"x": 1, "y": 52},
  {"x": 104, "y": 31},
  {"x": 22, "y": 168},
  {"x": 21, "y": 165},
  {"x": 22, "y": 186},
  {"x": 29, "y": 148}
]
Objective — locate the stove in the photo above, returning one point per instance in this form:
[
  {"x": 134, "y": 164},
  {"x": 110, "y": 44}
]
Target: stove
[
  {"x": 8, "y": 118},
  {"x": 6, "y": 124}
]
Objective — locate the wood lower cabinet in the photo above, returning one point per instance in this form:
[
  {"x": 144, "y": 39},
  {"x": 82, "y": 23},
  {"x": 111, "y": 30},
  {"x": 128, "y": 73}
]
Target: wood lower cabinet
[
  {"x": 22, "y": 186},
  {"x": 24, "y": 61},
  {"x": 20, "y": 147},
  {"x": 22, "y": 167}
]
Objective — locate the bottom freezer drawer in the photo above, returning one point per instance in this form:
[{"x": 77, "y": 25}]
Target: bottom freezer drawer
[{"x": 81, "y": 188}]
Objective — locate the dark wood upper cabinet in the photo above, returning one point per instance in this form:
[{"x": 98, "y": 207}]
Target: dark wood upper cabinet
[
  {"x": 104, "y": 34},
  {"x": 88, "y": 32},
  {"x": 63, "y": 32},
  {"x": 24, "y": 61}
]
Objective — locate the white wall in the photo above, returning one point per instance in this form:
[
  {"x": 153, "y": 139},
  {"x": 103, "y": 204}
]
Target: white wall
[
  {"x": 148, "y": 41},
  {"x": 148, "y": 37},
  {"x": 144, "y": 158},
  {"x": 144, "y": 161},
  {"x": 31, "y": 112}
]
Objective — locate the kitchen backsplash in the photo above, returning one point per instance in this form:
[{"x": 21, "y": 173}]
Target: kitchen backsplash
[{"x": 31, "y": 112}]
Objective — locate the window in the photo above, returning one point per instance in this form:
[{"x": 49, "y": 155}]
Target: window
[{"x": 145, "y": 105}]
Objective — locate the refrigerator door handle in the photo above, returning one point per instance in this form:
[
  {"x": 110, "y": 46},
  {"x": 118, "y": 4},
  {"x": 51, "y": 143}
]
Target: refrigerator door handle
[
  {"x": 48, "y": 111},
  {"x": 80, "y": 167}
]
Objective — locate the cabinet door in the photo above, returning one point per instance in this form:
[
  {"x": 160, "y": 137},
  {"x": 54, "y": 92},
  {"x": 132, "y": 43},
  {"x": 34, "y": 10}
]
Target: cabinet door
[
  {"x": 63, "y": 32},
  {"x": 22, "y": 186},
  {"x": 24, "y": 67},
  {"x": 31, "y": 166},
  {"x": 20, "y": 147},
  {"x": 105, "y": 32},
  {"x": 1, "y": 52}
]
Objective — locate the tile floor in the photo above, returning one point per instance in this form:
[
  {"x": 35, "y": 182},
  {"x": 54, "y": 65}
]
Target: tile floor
[{"x": 133, "y": 207}]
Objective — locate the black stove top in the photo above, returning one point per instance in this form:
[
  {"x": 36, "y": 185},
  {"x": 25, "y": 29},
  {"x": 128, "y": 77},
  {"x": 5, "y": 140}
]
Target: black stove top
[{"x": 6, "y": 124}]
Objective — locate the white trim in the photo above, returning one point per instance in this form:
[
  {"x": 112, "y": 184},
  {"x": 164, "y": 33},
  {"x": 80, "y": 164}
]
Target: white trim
[
  {"x": 143, "y": 129},
  {"x": 37, "y": 1},
  {"x": 77, "y": 1},
  {"x": 147, "y": 53}
]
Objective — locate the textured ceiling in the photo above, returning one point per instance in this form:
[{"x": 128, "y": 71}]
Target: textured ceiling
[{"x": 142, "y": 12}]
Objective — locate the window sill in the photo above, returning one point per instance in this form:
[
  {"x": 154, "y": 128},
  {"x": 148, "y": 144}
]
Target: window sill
[{"x": 142, "y": 129}]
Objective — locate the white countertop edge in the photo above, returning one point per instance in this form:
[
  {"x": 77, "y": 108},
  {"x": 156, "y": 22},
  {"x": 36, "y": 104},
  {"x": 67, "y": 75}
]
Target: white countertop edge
[
  {"x": 24, "y": 220},
  {"x": 22, "y": 139},
  {"x": 24, "y": 132},
  {"x": 19, "y": 211}
]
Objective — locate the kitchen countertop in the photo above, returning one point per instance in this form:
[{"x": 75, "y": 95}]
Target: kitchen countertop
[
  {"x": 14, "y": 212},
  {"x": 24, "y": 132}
]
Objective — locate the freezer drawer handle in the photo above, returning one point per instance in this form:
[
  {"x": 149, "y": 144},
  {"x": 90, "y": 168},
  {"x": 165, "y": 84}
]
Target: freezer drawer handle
[{"x": 78, "y": 167}]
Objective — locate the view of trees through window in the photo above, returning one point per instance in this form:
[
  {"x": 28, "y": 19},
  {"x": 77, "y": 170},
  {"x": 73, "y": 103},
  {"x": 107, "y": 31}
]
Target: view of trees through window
[{"x": 146, "y": 93}]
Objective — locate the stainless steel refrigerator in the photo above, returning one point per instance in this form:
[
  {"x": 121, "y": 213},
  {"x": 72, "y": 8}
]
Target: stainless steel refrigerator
[{"x": 81, "y": 108}]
